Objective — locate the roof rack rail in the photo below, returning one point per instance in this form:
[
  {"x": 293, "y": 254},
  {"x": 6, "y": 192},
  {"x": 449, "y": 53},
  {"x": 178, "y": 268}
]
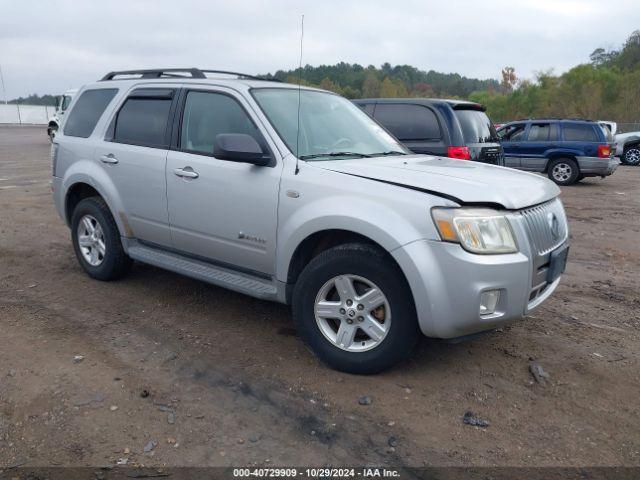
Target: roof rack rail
[
  {"x": 157, "y": 73},
  {"x": 240, "y": 75},
  {"x": 178, "y": 73}
]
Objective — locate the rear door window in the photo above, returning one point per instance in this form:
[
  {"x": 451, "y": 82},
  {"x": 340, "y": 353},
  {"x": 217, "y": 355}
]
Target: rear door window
[
  {"x": 87, "y": 111},
  {"x": 579, "y": 132},
  {"x": 542, "y": 132},
  {"x": 409, "y": 122},
  {"x": 144, "y": 117}
]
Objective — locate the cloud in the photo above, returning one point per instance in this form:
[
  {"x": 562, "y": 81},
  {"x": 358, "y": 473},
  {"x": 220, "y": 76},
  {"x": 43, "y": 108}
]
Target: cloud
[{"x": 51, "y": 46}]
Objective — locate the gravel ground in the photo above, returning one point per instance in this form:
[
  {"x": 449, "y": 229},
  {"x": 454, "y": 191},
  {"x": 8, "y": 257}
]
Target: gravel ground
[{"x": 179, "y": 373}]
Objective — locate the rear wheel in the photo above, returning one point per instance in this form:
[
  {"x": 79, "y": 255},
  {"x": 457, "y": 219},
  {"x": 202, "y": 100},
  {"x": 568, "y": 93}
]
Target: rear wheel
[
  {"x": 353, "y": 307},
  {"x": 564, "y": 171},
  {"x": 96, "y": 240},
  {"x": 631, "y": 155}
]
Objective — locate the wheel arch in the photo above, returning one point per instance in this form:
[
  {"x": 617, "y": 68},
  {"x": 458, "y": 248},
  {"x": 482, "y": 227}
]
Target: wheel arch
[
  {"x": 634, "y": 142},
  {"x": 78, "y": 186},
  {"x": 555, "y": 155},
  {"x": 320, "y": 241}
]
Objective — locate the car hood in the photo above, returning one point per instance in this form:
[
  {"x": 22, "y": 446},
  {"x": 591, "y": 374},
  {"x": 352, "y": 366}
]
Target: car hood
[
  {"x": 460, "y": 180},
  {"x": 625, "y": 136}
]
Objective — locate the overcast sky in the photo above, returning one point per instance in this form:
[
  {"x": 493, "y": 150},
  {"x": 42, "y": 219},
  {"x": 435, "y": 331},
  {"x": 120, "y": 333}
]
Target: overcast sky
[{"x": 47, "y": 47}]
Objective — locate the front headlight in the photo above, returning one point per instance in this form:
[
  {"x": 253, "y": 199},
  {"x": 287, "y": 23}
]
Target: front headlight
[{"x": 478, "y": 230}]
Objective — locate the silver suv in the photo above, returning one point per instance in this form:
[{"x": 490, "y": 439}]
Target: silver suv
[{"x": 295, "y": 195}]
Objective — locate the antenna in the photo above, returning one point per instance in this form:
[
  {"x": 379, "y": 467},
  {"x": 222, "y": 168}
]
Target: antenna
[
  {"x": 299, "y": 95},
  {"x": 4, "y": 91}
]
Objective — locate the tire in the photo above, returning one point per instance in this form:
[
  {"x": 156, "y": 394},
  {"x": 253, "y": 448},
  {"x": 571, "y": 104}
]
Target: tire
[
  {"x": 101, "y": 254},
  {"x": 366, "y": 267},
  {"x": 631, "y": 155},
  {"x": 51, "y": 131},
  {"x": 563, "y": 171}
]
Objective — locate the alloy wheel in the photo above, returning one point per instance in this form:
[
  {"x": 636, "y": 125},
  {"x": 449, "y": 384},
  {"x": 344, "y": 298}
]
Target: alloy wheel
[
  {"x": 632, "y": 156},
  {"x": 91, "y": 240},
  {"x": 562, "y": 172},
  {"x": 352, "y": 313}
]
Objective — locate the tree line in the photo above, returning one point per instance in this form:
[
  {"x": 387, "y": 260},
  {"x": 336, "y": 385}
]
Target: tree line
[
  {"x": 35, "y": 99},
  {"x": 608, "y": 87},
  {"x": 357, "y": 81}
]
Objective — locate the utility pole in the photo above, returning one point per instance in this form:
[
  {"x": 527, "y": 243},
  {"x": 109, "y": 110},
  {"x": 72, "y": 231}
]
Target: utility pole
[{"x": 4, "y": 91}]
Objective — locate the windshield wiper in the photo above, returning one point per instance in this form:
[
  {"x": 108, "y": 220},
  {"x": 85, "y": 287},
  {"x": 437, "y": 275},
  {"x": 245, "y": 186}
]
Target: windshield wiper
[
  {"x": 335, "y": 154},
  {"x": 390, "y": 152}
]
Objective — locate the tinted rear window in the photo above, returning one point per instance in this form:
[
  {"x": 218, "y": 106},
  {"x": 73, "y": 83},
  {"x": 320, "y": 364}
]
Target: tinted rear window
[
  {"x": 87, "y": 111},
  {"x": 408, "y": 122},
  {"x": 476, "y": 126},
  {"x": 143, "y": 121},
  {"x": 579, "y": 132}
]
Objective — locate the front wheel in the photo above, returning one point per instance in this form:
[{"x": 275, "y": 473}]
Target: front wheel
[
  {"x": 353, "y": 307},
  {"x": 52, "y": 131},
  {"x": 632, "y": 155},
  {"x": 564, "y": 171}
]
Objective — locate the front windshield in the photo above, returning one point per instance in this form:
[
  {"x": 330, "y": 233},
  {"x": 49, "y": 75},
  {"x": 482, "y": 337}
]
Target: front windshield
[
  {"x": 64, "y": 104},
  {"x": 331, "y": 127},
  {"x": 606, "y": 128}
]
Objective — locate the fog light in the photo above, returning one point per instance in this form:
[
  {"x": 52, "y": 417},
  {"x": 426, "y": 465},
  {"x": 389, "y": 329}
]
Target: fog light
[{"x": 489, "y": 301}]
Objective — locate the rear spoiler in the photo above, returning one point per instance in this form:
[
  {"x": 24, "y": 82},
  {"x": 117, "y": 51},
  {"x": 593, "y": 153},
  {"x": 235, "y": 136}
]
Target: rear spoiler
[{"x": 470, "y": 106}]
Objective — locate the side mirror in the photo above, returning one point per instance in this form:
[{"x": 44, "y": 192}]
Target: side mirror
[{"x": 239, "y": 147}]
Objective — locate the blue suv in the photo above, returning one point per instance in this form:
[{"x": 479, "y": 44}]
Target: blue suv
[{"x": 566, "y": 150}]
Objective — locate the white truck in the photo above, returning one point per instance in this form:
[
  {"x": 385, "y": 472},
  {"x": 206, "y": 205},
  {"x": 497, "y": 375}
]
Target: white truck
[{"x": 56, "y": 120}]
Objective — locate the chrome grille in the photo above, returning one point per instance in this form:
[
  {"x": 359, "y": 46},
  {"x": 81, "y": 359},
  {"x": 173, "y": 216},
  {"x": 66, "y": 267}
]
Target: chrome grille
[{"x": 546, "y": 233}]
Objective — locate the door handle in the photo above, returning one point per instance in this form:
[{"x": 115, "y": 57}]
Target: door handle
[
  {"x": 110, "y": 158},
  {"x": 186, "y": 172}
]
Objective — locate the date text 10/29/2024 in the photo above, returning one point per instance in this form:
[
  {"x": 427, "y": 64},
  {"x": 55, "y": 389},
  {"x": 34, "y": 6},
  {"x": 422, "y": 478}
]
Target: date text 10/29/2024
[{"x": 316, "y": 472}]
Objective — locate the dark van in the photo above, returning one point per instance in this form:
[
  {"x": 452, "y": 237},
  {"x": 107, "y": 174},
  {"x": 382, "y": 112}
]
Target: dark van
[{"x": 446, "y": 128}]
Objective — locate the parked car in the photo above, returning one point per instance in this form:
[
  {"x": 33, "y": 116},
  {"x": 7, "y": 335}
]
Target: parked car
[
  {"x": 627, "y": 147},
  {"x": 566, "y": 150},
  {"x": 56, "y": 120},
  {"x": 446, "y": 128},
  {"x": 295, "y": 195}
]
